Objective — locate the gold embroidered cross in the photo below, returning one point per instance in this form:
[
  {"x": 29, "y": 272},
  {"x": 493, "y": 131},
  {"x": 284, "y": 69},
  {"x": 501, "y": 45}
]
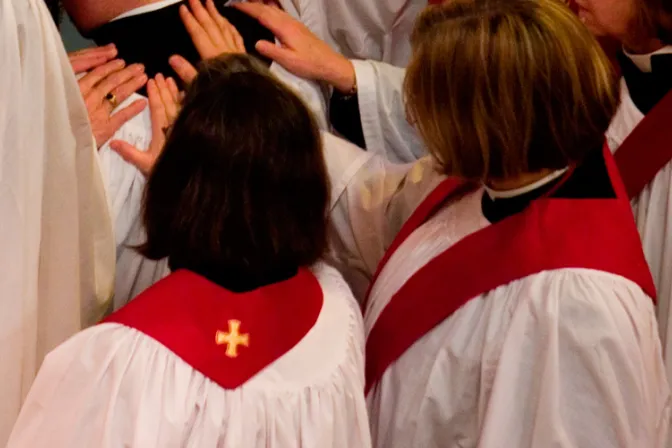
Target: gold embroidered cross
[{"x": 232, "y": 339}]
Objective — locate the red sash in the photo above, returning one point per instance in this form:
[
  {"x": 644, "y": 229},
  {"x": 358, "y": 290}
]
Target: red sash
[
  {"x": 552, "y": 233},
  {"x": 228, "y": 337},
  {"x": 647, "y": 149}
]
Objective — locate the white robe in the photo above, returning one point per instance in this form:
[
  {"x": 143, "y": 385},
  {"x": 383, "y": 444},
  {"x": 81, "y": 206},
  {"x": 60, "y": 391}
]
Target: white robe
[
  {"x": 57, "y": 259},
  {"x": 111, "y": 386},
  {"x": 566, "y": 358},
  {"x": 653, "y": 213},
  {"x": 362, "y": 29}
]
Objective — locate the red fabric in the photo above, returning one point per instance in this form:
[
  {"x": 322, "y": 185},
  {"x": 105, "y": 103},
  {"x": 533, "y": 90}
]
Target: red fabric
[
  {"x": 552, "y": 233},
  {"x": 185, "y": 311},
  {"x": 647, "y": 149}
]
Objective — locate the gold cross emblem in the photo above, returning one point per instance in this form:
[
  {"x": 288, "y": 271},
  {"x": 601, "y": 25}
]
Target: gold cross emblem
[{"x": 232, "y": 339}]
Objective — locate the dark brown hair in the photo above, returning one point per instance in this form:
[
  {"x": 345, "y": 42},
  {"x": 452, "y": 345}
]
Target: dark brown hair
[
  {"x": 241, "y": 185},
  {"x": 655, "y": 16},
  {"x": 498, "y": 88}
]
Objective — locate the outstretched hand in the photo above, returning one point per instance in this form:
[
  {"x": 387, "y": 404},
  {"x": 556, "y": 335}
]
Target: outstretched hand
[
  {"x": 210, "y": 32},
  {"x": 164, "y": 100},
  {"x": 301, "y": 52}
]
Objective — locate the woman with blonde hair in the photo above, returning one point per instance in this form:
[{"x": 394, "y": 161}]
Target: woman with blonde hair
[
  {"x": 640, "y": 135},
  {"x": 512, "y": 307}
]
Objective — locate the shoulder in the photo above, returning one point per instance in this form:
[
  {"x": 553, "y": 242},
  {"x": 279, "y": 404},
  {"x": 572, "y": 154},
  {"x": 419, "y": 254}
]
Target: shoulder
[{"x": 627, "y": 117}]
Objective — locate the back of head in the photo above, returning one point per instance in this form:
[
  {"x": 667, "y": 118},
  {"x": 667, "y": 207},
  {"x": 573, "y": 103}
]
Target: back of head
[
  {"x": 498, "y": 88},
  {"x": 241, "y": 185}
]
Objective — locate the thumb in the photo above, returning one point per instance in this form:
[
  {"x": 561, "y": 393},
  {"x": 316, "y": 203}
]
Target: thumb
[
  {"x": 130, "y": 154},
  {"x": 183, "y": 68}
]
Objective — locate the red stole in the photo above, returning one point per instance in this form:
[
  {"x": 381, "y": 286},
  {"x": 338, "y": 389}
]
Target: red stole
[
  {"x": 647, "y": 149},
  {"x": 228, "y": 337},
  {"x": 552, "y": 233}
]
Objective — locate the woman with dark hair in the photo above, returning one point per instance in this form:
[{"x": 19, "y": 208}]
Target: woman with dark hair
[
  {"x": 640, "y": 134},
  {"x": 251, "y": 341}
]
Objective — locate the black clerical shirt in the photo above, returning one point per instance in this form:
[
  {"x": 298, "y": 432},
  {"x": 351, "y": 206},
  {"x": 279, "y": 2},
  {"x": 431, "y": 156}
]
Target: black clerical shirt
[{"x": 151, "y": 38}]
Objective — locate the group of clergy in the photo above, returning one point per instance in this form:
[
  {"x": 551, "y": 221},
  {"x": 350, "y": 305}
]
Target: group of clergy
[{"x": 336, "y": 224}]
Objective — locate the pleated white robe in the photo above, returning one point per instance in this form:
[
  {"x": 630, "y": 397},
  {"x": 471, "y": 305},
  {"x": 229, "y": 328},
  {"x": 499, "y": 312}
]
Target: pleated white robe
[
  {"x": 112, "y": 386},
  {"x": 653, "y": 213},
  {"x": 56, "y": 242},
  {"x": 567, "y": 358}
]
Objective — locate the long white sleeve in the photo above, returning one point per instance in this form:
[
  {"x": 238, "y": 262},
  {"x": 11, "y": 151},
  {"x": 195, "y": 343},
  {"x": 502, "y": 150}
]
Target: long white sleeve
[
  {"x": 381, "y": 106},
  {"x": 371, "y": 200}
]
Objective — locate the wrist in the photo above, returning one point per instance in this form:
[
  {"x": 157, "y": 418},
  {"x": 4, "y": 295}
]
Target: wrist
[{"x": 342, "y": 76}]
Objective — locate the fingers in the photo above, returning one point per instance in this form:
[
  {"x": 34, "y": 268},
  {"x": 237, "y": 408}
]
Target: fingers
[
  {"x": 232, "y": 38},
  {"x": 89, "y": 58},
  {"x": 140, "y": 159},
  {"x": 157, "y": 109},
  {"x": 272, "y": 18},
  {"x": 122, "y": 116},
  {"x": 167, "y": 99},
  {"x": 88, "y": 81},
  {"x": 125, "y": 90},
  {"x": 183, "y": 68},
  {"x": 115, "y": 80},
  {"x": 281, "y": 55},
  {"x": 199, "y": 36},
  {"x": 174, "y": 90}
]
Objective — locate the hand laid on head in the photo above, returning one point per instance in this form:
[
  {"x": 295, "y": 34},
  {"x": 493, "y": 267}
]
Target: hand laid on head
[
  {"x": 210, "y": 32},
  {"x": 107, "y": 85},
  {"x": 301, "y": 53},
  {"x": 164, "y": 101}
]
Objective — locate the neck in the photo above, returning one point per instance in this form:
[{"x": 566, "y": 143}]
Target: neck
[
  {"x": 644, "y": 46},
  {"x": 515, "y": 183},
  {"x": 88, "y": 15}
]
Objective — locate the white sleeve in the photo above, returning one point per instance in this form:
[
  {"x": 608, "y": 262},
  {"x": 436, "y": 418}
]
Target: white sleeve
[
  {"x": 381, "y": 106},
  {"x": 371, "y": 200},
  {"x": 125, "y": 188},
  {"x": 580, "y": 367}
]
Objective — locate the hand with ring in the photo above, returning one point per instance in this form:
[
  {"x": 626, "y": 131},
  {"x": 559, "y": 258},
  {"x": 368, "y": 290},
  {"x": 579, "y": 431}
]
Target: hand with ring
[{"x": 108, "y": 84}]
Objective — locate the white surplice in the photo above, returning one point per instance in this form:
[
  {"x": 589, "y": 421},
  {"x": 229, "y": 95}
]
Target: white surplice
[
  {"x": 566, "y": 358},
  {"x": 362, "y": 29},
  {"x": 653, "y": 213},
  {"x": 112, "y": 386},
  {"x": 56, "y": 243}
]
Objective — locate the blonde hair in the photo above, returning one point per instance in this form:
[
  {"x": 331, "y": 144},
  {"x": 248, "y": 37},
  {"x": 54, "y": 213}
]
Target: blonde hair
[{"x": 498, "y": 88}]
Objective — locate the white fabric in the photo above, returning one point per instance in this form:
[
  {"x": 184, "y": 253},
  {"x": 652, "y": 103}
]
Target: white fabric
[
  {"x": 643, "y": 61},
  {"x": 567, "y": 358},
  {"x": 111, "y": 386},
  {"x": 383, "y": 115},
  {"x": 146, "y": 8},
  {"x": 507, "y": 194},
  {"x": 653, "y": 213},
  {"x": 362, "y": 29},
  {"x": 57, "y": 259}
]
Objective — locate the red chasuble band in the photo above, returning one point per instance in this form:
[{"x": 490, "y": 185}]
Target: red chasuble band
[
  {"x": 226, "y": 336},
  {"x": 552, "y": 233},
  {"x": 647, "y": 149}
]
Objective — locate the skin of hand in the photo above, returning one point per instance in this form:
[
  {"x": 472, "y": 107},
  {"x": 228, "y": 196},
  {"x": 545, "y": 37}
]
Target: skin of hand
[
  {"x": 164, "y": 101},
  {"x": 105, "y": 75},
  {"x": 210, "y": 32},
  {"x": 301, "y": 52}
]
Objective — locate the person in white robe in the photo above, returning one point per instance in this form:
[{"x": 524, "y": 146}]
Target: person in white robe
[
  {"x": 125, "y": 186},
  {"x": 646, "y": 65},
  {"x": 57, "y": 257},
  {"x": 565, "y": 353},
  {"x": 251, "y": 341}
]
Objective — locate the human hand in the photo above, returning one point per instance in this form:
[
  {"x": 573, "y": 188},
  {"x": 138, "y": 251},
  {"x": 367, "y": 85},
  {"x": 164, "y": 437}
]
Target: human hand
[
  {"x": 301, "y": 53},
  {"x": 210, "y": 32},
  {"x": 164, "y": 100},
  {"x": 104, "y": 88},
  {"x": 89, "y": 58},
  {"x": 183, "y": 68}
]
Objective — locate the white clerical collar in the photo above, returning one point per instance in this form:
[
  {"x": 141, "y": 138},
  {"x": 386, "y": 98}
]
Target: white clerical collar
[
  {"x": 643, "y": 61},
  {"x": 146, "y": 8},
  {"x": 496, "y": 194}
]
